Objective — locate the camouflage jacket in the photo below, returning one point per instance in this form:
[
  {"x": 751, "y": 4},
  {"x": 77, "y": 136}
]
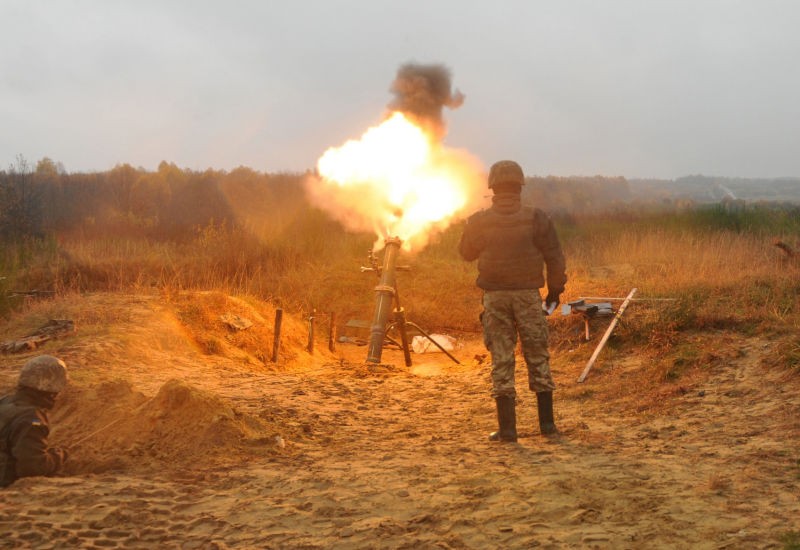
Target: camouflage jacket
[
  {"x": 513, "y": 244},
  {"x": 24, "y": 429}
]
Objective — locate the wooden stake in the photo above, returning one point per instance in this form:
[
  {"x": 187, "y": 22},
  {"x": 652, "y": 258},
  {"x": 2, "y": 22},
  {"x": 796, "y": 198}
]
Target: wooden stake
[
  {"x": 332, "y": 333},
  {"x": 606, "y": 336},
  {"x": 310, "y": 346},
  {"x": 276, "y": 342}
]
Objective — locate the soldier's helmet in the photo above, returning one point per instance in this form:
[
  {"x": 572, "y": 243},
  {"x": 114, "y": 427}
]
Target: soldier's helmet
[
  {"x": 505, "y": 171},
  {"x": 44, "y": 373}
]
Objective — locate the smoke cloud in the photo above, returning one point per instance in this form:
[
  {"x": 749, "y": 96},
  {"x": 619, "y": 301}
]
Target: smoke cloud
[
  {"x": 422, "y": 91},
  {"x": 399, "y": 179}
]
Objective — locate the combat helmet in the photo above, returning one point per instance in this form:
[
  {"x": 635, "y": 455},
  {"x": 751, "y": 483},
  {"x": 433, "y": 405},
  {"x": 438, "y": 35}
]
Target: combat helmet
[
  {"x": 44, "y": 373},
  {"x": 505, "y": 171}
]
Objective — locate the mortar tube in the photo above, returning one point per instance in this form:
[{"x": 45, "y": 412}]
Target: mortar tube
[{"x": 383, "y": 302}]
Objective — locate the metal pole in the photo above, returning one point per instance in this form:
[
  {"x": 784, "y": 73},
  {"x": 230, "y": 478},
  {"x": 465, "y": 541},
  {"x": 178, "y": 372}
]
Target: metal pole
[
  {"x": 607, "y": 299},
  {"x": 606, "y": 336},
  {"x": 400, "y": 315},
  {"x": 383, "y": 303},
  {"x": 434, "y": 342},
  {"x": 276, "y": 342}
]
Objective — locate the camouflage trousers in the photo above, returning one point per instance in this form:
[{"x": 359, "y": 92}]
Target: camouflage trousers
[{"x": 507, "y": 313}]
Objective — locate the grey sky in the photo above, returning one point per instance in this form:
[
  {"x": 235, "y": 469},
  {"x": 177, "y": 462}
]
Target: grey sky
[{"x": 619, "y": 87}]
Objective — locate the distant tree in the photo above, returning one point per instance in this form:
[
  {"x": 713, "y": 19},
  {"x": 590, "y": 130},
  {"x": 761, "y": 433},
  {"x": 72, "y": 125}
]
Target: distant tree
[
  {"x": 120, "y": 182},
  {"x": 47, "y": 181},
  {"x": 171, "y": 176},
  {"x": 149, "y": 196},
  {"x": 46, "y": 167},
  {"x": 196, "y": 201},
  {"x": 20, "y": 204}
]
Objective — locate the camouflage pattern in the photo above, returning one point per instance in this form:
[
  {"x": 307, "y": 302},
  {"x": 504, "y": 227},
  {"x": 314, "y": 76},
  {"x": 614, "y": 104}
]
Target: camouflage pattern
[
  {"x": 505, "y": 171},
  {"x": 44, "y": 373},
  {"x": 507, "y": 313},
  {"x": 24, "y": 429},
  {"x": 513, "y": 244}
]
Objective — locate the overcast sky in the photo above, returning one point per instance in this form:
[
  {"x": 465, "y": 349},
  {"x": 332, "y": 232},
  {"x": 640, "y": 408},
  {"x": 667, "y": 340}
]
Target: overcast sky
[{"x": 635, "y": 88}]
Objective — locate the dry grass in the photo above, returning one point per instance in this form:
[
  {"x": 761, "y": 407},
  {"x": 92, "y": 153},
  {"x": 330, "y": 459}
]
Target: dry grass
[
  {"x": 718, "y": 278},
  {"x": 662, "y": 263},
  {"x": 786, "y": 354}
]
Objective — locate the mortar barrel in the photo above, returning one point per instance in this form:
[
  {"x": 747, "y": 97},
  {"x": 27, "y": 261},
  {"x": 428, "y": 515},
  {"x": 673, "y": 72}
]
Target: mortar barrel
[{"x": 385, "y": 293}]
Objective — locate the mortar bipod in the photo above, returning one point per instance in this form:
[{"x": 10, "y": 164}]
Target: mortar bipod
[{"x": 402, "y": 324}]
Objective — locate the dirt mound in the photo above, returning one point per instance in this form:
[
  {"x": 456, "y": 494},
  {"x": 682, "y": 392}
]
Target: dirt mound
[
  {"x": 113, "y": 427},
  {"x": 205, "y": 317},
  {"x": 168, "y": 382}
]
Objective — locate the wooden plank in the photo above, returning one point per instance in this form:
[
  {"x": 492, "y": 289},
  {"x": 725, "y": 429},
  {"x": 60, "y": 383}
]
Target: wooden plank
[
  {"x": 606, "y": 336},
  {"x": 622, "y": 299}
]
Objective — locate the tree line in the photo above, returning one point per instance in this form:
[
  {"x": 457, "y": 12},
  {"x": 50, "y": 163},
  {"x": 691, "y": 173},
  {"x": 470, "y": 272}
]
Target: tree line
[
  {"x": 172, "y": 203},
  {"x": 169, "y": 203}
]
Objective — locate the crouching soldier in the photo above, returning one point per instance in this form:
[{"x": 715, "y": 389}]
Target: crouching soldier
[{"x": 24, "y": 426}]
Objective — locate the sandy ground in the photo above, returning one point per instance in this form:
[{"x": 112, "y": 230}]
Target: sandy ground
[{"x": 188, "y": 449}]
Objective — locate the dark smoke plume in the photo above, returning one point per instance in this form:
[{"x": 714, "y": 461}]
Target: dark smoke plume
[{"x": 422, "y": 91}]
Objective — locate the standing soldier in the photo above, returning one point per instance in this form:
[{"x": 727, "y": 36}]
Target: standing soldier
[
  {"x": 513, "y": 244},
  {"x": 24, "y": 426}
]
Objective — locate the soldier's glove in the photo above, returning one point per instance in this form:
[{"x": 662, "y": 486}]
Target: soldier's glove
[{"x": 551, "y": 301}]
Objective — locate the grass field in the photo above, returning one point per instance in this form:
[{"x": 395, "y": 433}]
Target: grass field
[{"x": 708, "y": 269}]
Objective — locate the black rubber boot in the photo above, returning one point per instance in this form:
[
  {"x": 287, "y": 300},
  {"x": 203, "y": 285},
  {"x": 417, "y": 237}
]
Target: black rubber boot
[
  {"x": 544, "y": 402},
  {"x": 506, "y": 418}
]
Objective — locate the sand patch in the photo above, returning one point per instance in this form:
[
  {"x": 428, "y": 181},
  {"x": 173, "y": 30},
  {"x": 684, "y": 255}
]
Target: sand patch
[{"x": 113, "y": 427}]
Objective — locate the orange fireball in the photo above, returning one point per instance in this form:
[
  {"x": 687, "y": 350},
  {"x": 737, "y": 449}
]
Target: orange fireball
[{"x": 397, "y": 181}]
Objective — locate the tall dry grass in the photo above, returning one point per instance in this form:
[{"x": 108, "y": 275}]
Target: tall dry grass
[
  {"x": 719, "y": 269},
  {"x": 714, "y": 279},
  {"x": 742, "y": 271}
]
